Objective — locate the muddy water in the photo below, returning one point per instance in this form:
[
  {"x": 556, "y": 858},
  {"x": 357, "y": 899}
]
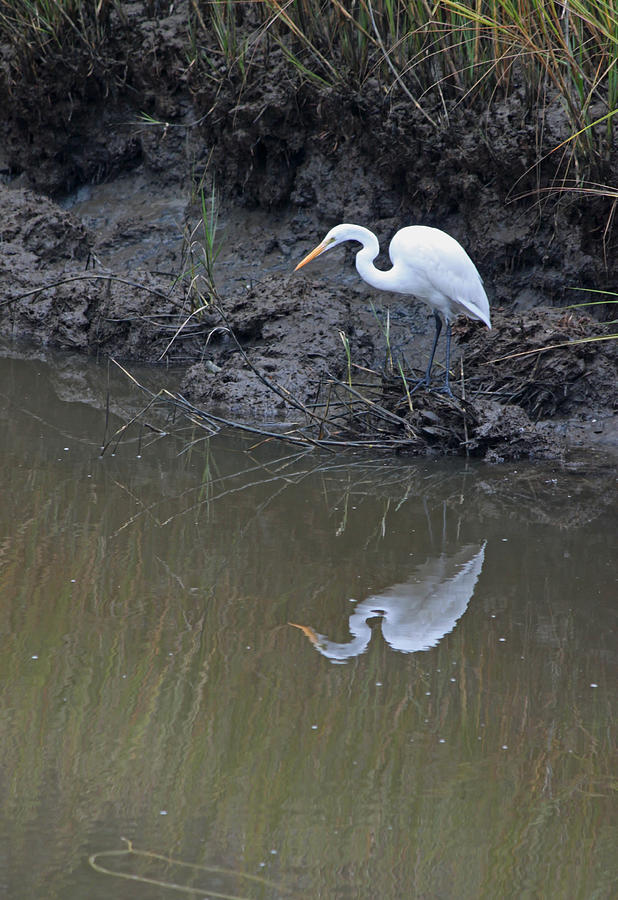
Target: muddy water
[{"x": 439, "y": 725}]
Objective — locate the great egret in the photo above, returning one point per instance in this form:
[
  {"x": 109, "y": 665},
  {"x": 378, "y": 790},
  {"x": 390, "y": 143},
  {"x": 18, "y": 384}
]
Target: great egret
[
  {"x": 416, "y": 614},
  {"x": 427, "y": 263}
]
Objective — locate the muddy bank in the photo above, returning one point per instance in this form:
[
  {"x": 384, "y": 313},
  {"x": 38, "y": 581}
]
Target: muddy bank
[
  {"x": 533, "y": 386},
  {"x": 113, "y": 270}
]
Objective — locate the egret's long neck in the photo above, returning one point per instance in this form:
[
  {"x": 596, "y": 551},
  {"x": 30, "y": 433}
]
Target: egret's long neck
[
  {"x": 365, "y": 257},
  {"x": 359, "y": 643}
]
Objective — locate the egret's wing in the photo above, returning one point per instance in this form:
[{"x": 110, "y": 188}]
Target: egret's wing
[
  {"x": 419, "y": 613},
  {"x": 439, "y": 271}
]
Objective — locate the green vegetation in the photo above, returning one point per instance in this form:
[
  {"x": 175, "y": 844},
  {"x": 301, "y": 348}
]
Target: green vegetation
[
  {"x": 444, "y": 52},
  {"x": 202, "y": 246},
  {"x": 559, "y": 58},
  {"x": 36, "y": 27},
  {"x": 441, "y": 53}
]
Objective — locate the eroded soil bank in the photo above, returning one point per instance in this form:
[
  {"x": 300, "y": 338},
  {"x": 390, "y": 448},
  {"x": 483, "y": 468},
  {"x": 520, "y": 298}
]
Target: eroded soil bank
[{"x": 98, "y": 268}]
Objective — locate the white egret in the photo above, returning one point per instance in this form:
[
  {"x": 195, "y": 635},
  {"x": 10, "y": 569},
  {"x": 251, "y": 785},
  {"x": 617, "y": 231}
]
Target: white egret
[
  {"x": 428, "y": 264},
  {"x": 416, "y": 614}
]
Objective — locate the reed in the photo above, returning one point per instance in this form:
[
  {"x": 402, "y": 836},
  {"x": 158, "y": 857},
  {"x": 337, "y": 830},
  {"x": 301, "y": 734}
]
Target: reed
[
  {"x": 202, "y": 245},
  {"x": 441, "y": 54},
  {"x": 452, "y": 52},
  {"x": 43, "y": 26}
]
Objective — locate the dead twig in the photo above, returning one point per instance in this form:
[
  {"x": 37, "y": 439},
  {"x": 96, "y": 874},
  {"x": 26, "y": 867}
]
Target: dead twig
[{"x": 92, "y": 276}]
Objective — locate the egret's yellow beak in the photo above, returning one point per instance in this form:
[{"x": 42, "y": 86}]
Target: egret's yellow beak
[
  {"x": 316, "y": 252},
  {"x": 305, "y": 628}
]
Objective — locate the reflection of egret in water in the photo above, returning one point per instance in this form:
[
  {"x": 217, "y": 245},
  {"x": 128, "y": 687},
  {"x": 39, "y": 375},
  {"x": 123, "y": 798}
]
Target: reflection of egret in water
[{"x": 415, "y": 614}]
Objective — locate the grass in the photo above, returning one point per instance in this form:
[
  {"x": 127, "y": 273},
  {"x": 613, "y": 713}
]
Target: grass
[
  {"x": 460, "y": 48},
  {"x": 202, "y": 246},
  {"x": 42, "y": 26},
  {"x": 446, "y": 53},
  {"x": 346, "y": 344},
  {"x": 440, "y": 54}
]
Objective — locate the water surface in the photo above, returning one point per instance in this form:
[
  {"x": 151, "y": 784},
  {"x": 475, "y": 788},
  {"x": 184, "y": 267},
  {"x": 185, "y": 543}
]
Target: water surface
[{"x": 438, "y": 724}]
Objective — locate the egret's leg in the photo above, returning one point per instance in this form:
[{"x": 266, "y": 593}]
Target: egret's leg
[
  {"x": 438, "y": 321},
  {"x": 427, "y": 378},
  {"x": 447, "y": 386}
]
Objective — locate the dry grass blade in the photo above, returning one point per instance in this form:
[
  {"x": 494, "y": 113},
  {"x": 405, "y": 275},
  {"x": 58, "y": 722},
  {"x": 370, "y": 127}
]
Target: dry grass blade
[{"x": 573, "y": 343}]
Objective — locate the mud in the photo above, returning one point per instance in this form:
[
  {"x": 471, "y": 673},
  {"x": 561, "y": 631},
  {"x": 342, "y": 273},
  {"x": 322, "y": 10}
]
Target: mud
[{"x": 98, "y": 229}]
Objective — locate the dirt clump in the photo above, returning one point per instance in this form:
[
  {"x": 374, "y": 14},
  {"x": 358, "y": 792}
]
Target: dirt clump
[{"x": 283, "y": 346}]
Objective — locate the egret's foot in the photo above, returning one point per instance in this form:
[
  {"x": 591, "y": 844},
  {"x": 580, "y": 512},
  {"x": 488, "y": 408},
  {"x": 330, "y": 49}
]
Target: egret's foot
[
  {"x": 445, "y": 389},
  {"x": 424, "y": 382},
  {"x": 437, "y": 389}
]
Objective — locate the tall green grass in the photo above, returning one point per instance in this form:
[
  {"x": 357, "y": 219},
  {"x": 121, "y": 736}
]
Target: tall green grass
[
  {"x": 40, "y": 26},
  {"x": 446, "y": 53},
  {"x": 440, "y": 54}
]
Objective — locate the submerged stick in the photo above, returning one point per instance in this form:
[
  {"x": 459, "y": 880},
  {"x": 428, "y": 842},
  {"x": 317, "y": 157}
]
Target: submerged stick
[{"x": 173, "y": 886}]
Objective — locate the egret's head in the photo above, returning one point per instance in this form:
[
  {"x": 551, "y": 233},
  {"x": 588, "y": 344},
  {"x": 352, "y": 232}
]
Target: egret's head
[
  {"x": 313, "y": 636},
  {"x": 335, "y": 236}
]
